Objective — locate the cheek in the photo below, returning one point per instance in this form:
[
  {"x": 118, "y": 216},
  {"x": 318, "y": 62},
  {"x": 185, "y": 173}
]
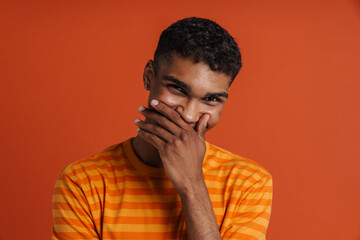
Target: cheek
[
  {"x": 166, "y": 97},
  {"x": 215, "y": 115},
  {"x": 170, "y": 100}
]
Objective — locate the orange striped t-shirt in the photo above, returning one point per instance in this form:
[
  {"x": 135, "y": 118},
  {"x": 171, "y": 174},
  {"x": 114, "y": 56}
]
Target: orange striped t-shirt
[{"x": 114, "y": 195}]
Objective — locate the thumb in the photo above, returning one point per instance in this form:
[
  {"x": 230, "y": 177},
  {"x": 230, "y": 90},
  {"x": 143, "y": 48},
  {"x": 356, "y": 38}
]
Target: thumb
[{"x": 201, "y": 125}]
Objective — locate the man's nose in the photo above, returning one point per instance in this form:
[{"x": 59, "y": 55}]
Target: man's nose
[{"x": 189, "y": 111}]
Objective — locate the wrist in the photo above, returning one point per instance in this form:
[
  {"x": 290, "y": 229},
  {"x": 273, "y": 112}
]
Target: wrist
[{"x": 193, "y": 189}]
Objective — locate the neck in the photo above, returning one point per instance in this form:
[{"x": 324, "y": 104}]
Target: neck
[{"x": 146, "y": 152}]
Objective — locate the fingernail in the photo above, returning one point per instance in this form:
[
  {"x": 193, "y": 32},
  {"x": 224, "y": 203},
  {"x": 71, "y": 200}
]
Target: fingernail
[
  {"x": 137, "y": 120},
  {"x": 154, "y": 102},
  {"x": 141, "y": 108}
]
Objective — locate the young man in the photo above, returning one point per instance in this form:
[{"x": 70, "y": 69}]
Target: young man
[{"x": 168, "y": 182}]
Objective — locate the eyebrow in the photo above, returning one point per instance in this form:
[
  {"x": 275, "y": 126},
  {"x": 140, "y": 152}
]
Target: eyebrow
[{"x": 188, "y": 88}]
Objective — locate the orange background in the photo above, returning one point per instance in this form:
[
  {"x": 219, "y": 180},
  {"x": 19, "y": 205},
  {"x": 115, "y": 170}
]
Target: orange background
[{"x": 71, "y": 81}]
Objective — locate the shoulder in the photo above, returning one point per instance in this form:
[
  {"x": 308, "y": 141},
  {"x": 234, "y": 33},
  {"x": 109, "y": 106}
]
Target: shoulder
[
  {"x": 95, "y": 166},
  {"x": 242, "y": 168}
]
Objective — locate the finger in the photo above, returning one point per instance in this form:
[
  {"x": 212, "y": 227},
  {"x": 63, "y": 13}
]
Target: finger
[
  {"x": 202, "y": 124},
  {"x": 150, "y": 138},
  {"x": 154, "y": 129},
  {"x": 170, "y": 113},
  {"x": 158, "y": 119}
]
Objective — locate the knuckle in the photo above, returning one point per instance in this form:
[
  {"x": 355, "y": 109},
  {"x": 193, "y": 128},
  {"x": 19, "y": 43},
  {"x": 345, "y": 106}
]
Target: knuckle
[
  {"x": 160, "y": 106},
  {"x": 175, "y": 116},
  {"x": 155, "y": 117},
  {"x": 152, "y": 136},
  {"x": 168, "y": 148},
  {"x": 161, "y": 119},
  {"x": 177, "y": 142},
  {"x": 184, "y": 135},
  {"x": 144, "y": 125},
  {"x": 171, "y": 140},
  {"x": 158, "y": 129}
]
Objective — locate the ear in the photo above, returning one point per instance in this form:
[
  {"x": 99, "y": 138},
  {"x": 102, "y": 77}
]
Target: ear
[{"x": 148, "y": 75}]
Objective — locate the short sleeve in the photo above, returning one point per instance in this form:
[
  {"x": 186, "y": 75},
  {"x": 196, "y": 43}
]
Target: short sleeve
[
  {"x": 72, "y": 217},
  {"x": 250, "y": 211}
]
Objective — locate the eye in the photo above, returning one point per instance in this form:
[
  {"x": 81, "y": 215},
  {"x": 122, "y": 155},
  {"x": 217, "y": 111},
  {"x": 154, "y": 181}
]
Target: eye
[
  {"x": 177, "y": 88},
  {"x": 213, "y": 99}
]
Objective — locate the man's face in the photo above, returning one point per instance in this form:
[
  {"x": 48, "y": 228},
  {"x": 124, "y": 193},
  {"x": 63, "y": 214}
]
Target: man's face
[{"x": 191, "y": 89}]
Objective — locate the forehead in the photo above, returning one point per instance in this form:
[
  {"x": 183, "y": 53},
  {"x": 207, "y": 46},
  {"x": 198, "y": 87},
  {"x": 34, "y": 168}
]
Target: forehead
[{"x": 196, "y": 75}]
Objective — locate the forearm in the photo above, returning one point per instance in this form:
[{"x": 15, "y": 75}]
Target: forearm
[
  {"x": 199, "y": 216},
  {"x": 182, "y": 149}
]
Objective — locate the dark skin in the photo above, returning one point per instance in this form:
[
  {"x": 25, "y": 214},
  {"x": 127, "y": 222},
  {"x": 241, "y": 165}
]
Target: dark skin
[{"x": 185, "y": 101}]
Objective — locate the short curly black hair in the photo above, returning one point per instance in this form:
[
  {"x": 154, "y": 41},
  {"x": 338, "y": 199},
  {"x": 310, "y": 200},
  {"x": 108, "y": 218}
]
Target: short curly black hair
[{"x": 202, "y": 40}]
